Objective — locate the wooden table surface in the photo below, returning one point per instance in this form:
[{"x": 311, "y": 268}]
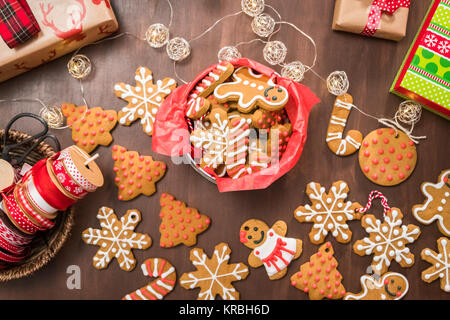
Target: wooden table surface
[{"x": 371, "y": 65}]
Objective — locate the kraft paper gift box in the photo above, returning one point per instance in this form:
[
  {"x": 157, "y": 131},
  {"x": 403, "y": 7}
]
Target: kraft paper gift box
[
  {"x": 66, "y": 25},
  {"x": 425, "y": 73},
  {"x": 355, "y": 15}
]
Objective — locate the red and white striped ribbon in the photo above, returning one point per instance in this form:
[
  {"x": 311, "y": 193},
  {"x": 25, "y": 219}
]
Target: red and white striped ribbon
[{"x": 374, "y": 195}]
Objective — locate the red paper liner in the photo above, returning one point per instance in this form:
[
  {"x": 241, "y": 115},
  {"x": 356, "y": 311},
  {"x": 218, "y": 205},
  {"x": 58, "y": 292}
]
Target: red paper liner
[{"x": 171, "y": 135}]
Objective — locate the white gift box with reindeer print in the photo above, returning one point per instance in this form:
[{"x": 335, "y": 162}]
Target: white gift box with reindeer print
[{"x": 66, "y": 25}]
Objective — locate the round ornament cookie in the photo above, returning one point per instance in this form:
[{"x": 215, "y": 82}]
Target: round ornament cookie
[{"x": 386, "y": 157}]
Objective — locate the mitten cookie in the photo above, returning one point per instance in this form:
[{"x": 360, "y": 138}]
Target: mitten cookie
[
  {"x": 180, "y": 224},
  {"x": 329, "y": 212},
  {"x": 387, "y": 159},
  {"x": 135, "y": 174},
  {"x": 90, "y": 127},
  {"x": 352, "y": 142},
  {"x": 319, "y": 277},
  {"x": 144, "y": 99},
  {"x": 214, "y": 275},
  {"x": 440, "y": 261},
  {"x": 391, "y": 286},
  {"x": 116, "y": 238},
  {"x": 437, "y": 205},
  {"x": 269, "y": 246},
  {"x": 165, "y": 275},
  {"x": 387, "y": 241},
  {"x": 251, "y": 90}
]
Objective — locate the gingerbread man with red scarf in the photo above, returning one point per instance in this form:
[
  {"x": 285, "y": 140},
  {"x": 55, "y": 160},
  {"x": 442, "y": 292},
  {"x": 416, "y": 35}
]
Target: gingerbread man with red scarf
[{"x": 270, "y": 247}]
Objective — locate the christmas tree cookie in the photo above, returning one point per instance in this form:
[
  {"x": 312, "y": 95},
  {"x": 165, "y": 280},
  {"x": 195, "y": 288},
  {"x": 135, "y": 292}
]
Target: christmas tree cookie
[
  {"x": 270, "y": 247},
  {"x": 319, "y": 277},
  {"x": 135, "y": 174},
  {"x": 180, "y": 224},
  {"x": 90, "y": 127}
]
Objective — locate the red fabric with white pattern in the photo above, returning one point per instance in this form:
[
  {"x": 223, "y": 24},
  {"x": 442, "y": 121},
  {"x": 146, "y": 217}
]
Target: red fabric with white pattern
[{"x": 377, "y": 9}]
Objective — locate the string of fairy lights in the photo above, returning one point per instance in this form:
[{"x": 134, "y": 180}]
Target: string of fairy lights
[{"x": 158, "y": 36}]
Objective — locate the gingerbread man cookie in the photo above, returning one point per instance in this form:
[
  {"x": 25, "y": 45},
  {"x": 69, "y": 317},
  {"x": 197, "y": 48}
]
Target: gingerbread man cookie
[
  {"x": 144, "y": 99},
  {"x": 251, "y": 90},
  {"x": 440, "y": 268},
  {"x": 391, "y": 286},
  {"x": 90, "y": 127},
  {"x": 437, "y": 205},
  {"x": 352, "y": 142},
  {"x": 269, "y": 246},
  {"x": 319, "y": 277},
  {"x": 387, "y": 158}
]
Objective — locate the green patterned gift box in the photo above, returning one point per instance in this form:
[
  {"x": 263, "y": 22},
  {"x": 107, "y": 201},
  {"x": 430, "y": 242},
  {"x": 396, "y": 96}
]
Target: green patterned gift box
[{"x": 425, "y": 73}]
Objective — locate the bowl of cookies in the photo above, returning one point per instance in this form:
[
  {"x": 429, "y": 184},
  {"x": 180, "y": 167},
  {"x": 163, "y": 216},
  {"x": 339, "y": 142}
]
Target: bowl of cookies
[{"x": 238, "y": 123}]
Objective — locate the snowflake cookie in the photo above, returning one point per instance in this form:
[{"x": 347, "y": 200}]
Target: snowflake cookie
[
  {"x": 165, "y": 281},
  {"x": 437, "y": 205},
  {"x": 329, "y": 212},
  {"x": 144, "y": 99},
  {"x": 387, "y": 241},
  {"x": 440, "y": 262},
  {"x": 116, "y": 238},
  {"x": 214, "y": 276}
]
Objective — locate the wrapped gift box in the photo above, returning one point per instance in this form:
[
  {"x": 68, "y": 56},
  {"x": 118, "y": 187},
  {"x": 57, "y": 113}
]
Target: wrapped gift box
[
  {"x": 425, "y": 73},
  {"x": 367, "y": 17},
  {"x": 66, "y": 25}
]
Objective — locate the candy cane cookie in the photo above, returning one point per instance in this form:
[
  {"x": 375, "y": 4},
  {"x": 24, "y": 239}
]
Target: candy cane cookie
[
  {"x": 198, "y": 107},
  {"x": 156, "y": 290},
  {"x": 352, "y": 142}
]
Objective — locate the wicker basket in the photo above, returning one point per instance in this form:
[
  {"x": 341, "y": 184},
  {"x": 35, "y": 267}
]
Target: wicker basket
[{"x": 46, "y": 244}]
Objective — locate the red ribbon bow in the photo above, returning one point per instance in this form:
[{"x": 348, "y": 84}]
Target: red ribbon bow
[{"x": 377, "y": 8}]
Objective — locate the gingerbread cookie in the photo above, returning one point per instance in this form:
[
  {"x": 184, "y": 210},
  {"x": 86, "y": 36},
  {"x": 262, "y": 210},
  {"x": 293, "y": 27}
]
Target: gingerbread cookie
[
  {"x": 144, "y": 99},
  {"x": 90, "y": 127},
  {"x": 279, "y": 136},
  {"x": 221, "y": 72},
  {"x": 135, "y": 174},
  {"x": 319, "y": 277},
  {"x": 264, "y": 119},
  {"x": 251, "y": 90},
  {"x": 440, "y": 268},
  {"x": 391, "y": 286},
  {"x": 437, "y": 205},
  {"x": 269, "y": 246},
  {"x": 197, "y": 107},
  {"x": 180, "y": 224},
  {"x": 237, "y": 146},
  {"x": 387, "y": 159},
  {"x": 213, "y": 141},
  {"x": 387, "y": 241},
  {"x": 116, "y": 238},
  {"x": 166, "y": 278},
  {"x": 214, "y": 275},
  {"x": 352, "y": 142},
  {"x": 329, "y": 212}
]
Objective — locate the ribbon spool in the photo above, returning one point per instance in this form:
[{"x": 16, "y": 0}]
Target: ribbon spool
[
  {"x": 7, "y": 175},
  {"x": 86, "y": 167}
]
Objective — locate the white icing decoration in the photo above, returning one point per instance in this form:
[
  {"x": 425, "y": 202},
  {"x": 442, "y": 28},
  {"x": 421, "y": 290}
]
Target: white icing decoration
[
  {"x": 419, "y": 210},
  {"x": 441, "y": 264}
]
